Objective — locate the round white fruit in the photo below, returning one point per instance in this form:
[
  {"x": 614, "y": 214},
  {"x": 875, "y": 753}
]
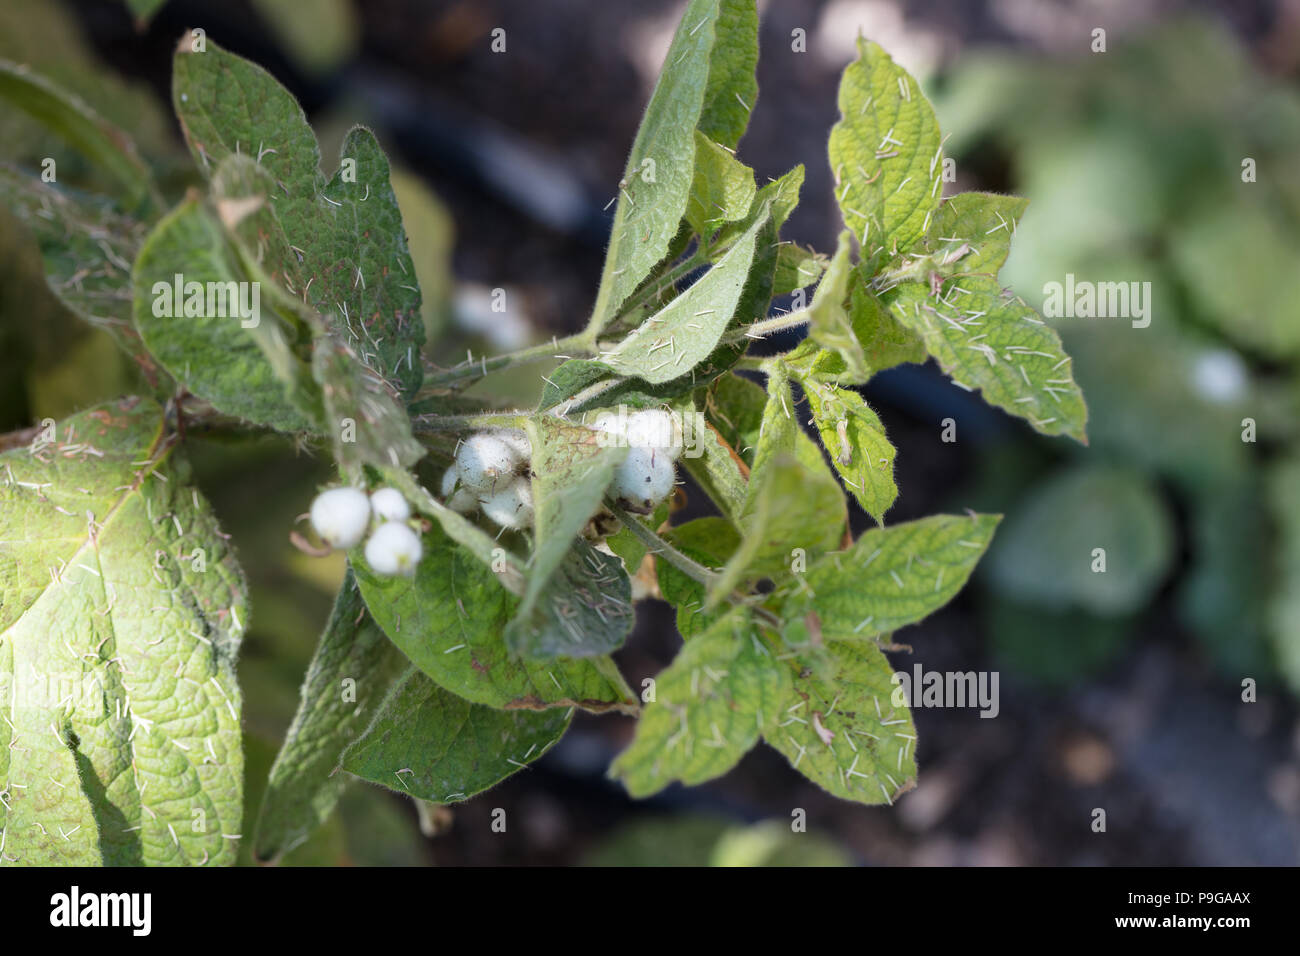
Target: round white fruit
[
  {"x": 518, "y": 442},
  {"x": 655, "y": 428},
  {"x": 341, "y": 516},
  {"x": 644, "y": 479},
  {"x": 394, "y": 549},
  {"x": 389, "y": 505},
  {"x": 511, "y": 506},
  {"x": 486, "y": 460}
]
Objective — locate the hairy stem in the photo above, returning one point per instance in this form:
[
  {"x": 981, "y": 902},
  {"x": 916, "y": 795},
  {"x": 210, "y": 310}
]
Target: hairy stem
[
  {"x": 661, "y": 548},
  {"x": 478, "y": 368},
  {"x": 428, "y": 424}
]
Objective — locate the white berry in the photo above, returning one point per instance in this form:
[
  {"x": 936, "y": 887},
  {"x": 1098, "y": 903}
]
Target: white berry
[
  {"x": 389, "y": 505},
  {"x": 341, "y": 516},
  {"x": 484, "y": 460},
  {"x": 655, "y": 428},
  {"x": 518, "y": 442},
  {"x": 644, "y": 479},
  {"x": 394, "y": 549},
  {"x": 457, "y": 497},
  {"x": 511, "y": 506}
]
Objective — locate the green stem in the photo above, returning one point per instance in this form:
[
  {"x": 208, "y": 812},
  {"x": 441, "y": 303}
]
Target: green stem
[
  {"x": 428, "y": 424},
  {"x": 661, "y": 548},
  {"x": 477, "y": 368}
]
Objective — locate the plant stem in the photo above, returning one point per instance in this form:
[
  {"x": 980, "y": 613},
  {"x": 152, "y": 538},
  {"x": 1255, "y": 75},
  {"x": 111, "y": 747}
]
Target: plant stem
[
  {"x": 455, "y": 423},
  {"x": 478, "y": 368},
  {"x": 661, "y": 548},
  {"x": 765, "y": 327}
]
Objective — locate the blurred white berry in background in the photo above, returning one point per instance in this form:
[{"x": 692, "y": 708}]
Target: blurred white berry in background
[
  {"x": 394, "y": 549},
  {"x": 389, "y": 505},
  {"x": 1219, "y": 376},
  {"x": 341, "y": 516}
]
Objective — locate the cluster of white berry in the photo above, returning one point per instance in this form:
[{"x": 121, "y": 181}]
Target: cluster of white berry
[
  {"x": 491, "y": 472},
  {"x": 491, "y": 468},
  {"x": 342, "y": 516}
]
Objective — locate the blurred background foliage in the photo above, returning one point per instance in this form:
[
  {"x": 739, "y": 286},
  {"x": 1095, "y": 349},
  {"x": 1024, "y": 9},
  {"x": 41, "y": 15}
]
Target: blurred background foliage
[{"x": 1120, "y": 690}]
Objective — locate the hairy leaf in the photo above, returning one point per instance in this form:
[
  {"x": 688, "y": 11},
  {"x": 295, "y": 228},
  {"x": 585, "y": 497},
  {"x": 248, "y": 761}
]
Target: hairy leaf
[
  {"x": 843, "y": 726},
  {"x": 687, "y": 330},
  {"x": 432, "y": 745},
  {"x": 885, "y": 153},
  {"x": 449, "y": 620},
  {"x": 891, "y": 577},
  {"x": 709, "y": 706},
  {"x": 989, "y": 341},
  {"x": 353, "y": 668},
  {"x": 121, "y": 611}
]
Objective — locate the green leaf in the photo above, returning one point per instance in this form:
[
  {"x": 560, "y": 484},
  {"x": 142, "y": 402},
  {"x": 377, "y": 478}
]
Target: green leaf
[
  {"x": 708, "y": 708},
  {"x": 687, "y": 330},
  {"x": 144, "y": 10},
  {"x": 796, "y": 268},
  {"x": 722, "y": 190},
  {"x": 87, "y": 249},
  {"x": 855, "y": 438},
  {"x": 121, "y": 611},
  {"x": 885, "y": 153},
  {"x": 355, "y": 266},
  {"x": 571, "y": 471},
  {"x": 989, "y": 341},
  {"x": 790, "y": 509},
  {"x": 971, "y": 233},
  {"x": 432, "y": 745},
  {"x": 106, "y": 146},
  {"x": 733, "y": 84},
  {"x": 449, "y": 620},
  {"x": 710, "y": 541},
  {"x": 656, "y": 184},
  {"x": 885, "y": 342},
  {"x": 584, "y": 610},
  {"x": 1046, "y": 555},
  {"x": 842, "y": 725},
  {"x": 259, "y": 377},
  {"x": 365, "y": 418},
  {"x": 363, "y": 272},
  {"x": 354, "y": 666},
  {"x": 829, "y": 324},
  {"x": 891, "y": 577}
]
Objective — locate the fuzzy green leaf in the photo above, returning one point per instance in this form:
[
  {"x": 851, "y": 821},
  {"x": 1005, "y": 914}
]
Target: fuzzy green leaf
[
  {"x": 723, "y": 188},
  {"x": 893, "y": 576},
  {"x": 571, "y": 471},
  {"x": 432, "y": 745},
  {"x": 121, "y": 612},
  {"x": 354, "y": 666},
  {"x": 733, "y": 86},
  {"x": 829, "y": 323},
  {"x": 709, "y": 706},
  {"x": 971, "y": 233},
  {"x": 987, "y": 340},
  {"x": 688, "y": 329},
  {"x": 87, "y": 250},
  {"x": 885, "y": 153},
  {"x": 855, "y": 438},
  {"x": 842, "y": 727},
  {"x": 355, "y": 265},
  {"x": 106, "y": 146},
  {"x": 449, "y": 620},
  {"x": 260, "y": 377},
  {"x": 657, "y": 181},
  {"x": 710, "y": 541},
  {"x": 796, "y": 268}
]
